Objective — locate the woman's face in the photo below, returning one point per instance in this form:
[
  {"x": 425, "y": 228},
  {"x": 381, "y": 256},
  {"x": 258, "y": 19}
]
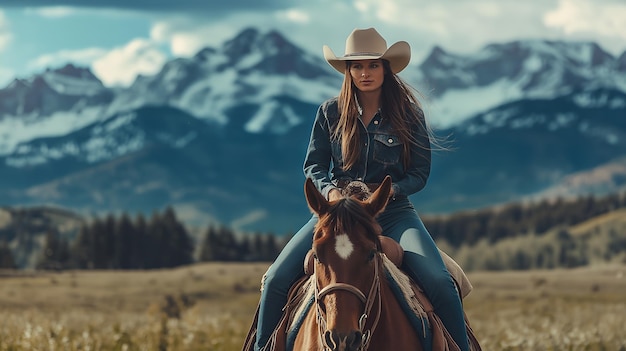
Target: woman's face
[{"x": 367, "y": 75}]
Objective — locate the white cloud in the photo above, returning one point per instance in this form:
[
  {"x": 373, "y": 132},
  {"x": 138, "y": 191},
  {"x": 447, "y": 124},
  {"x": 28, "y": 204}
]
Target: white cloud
[
  {"x": 458, "y": 25},
  {"x": 589, "y": 16},
  {"x": 5, "y": 34},
  {"x": 121, "y": 65},
  {"x": 188, "y": 36},
  {"x": 54, "y": 11},
  {"x": 6, "y": 76},
  {"x": 80, "y": 57},
  {"x": 295, "y": 15}
]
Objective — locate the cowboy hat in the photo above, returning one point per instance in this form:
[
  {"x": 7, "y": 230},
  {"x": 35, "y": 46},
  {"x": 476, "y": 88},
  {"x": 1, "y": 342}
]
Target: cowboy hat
[{"x": 368, "y": 44}]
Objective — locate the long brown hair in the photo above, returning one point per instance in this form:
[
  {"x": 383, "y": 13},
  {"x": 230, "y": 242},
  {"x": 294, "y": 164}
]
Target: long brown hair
[{"x": 398, "y": 104}]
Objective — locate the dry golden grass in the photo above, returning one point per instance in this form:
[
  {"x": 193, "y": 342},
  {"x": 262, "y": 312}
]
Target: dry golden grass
[
  {"x": 210, "y": 306},
  {"x": 579, "y": 309},
  {"x": 200, "y": 307},
  {"x": 614, "y": 219}
]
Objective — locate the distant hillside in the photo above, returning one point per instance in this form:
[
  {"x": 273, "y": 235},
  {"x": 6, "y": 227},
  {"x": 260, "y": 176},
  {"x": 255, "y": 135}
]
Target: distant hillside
[
  {"x": 604, "y": 179},
  {"x": 613, "y": 222},
  {"x": 24, "y": 229},
  {"x": 599, "y": 240},
  {"x": 544, "y": 234}
]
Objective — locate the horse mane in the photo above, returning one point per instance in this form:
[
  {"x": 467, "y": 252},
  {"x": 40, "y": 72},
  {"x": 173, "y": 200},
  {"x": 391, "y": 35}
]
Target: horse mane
[{"x": 346, "y": 216}]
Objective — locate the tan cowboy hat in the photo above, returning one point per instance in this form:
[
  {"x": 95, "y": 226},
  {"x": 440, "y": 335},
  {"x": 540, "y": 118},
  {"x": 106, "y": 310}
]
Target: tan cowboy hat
[{"x": 368, "y": 44}]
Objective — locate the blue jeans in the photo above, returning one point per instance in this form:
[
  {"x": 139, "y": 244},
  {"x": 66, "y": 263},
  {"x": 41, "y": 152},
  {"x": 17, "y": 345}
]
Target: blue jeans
[{"x": 422, "y": 261}]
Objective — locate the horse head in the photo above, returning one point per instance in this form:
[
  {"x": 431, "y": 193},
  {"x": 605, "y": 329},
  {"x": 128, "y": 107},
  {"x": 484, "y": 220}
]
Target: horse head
[{"x": 347, "y": 265}]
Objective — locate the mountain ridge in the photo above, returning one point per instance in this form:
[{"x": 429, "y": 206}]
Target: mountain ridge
[{"x": 226, "y": 140}]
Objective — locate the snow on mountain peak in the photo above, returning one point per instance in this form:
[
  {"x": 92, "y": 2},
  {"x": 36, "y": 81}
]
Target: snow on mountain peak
[
  {"x": 252, "y": 41},
  {"x": 599, "y": 99},
  {"x": 278, "y": 118},
  {"x": 69, "y": 85},
  {"x": 241, "y": 44},
  {"x": 621, "y": 62},
  {"x": 16, "y": 129},
  {"x": 258, "y": 68},
  {"x": 63, "y": 90},
  {"x": 71, "y": 80},
  {"x": 251, "y": 68},
  {"x": 463, "y": 86}
]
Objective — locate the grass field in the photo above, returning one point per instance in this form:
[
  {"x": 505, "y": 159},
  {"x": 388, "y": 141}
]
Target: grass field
[{"x": 210, "y": 307}]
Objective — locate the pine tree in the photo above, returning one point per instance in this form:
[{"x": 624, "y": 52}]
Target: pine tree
[
  {"x": 209, "y": 245},
  {"x": 82, "y": 251},
  {"x": 55, "y": 253},
  {"x": 124, "y": 237},
  {"x": 270, "y": 248},
  {"x": 227, "y": 245},
  {"x": 99, "y": 244},
  {"x": 179, "y": 243},
  {"x": 257, "y": 246},
  {"x": 245, "y": 249},
  {"x": 138, "y": 251},
  {"x": 155, "y": 246},
  {"x": 108, "y": 240},
  {"x": 6, "y": 256}
]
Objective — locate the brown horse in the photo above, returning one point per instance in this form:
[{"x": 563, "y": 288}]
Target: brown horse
[
  {"x": 346, "y": 301},
  {"x": 354, "y": 307}
]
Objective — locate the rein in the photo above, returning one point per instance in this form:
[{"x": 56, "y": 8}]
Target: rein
[{"x": 372, "y": 297}]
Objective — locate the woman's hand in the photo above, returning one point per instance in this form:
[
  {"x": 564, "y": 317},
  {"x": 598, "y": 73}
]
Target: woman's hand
[{"x": 334, "y": 195}]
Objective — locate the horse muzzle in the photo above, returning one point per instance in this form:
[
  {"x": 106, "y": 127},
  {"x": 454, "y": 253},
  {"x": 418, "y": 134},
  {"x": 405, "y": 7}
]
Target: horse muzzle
[{"x": 334, "y": 341}]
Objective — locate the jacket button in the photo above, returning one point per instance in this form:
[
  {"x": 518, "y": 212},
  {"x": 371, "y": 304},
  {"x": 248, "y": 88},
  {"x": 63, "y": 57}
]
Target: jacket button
[
  {"x": 376, "y": 122},
  {"x": 390, "y": 141}
]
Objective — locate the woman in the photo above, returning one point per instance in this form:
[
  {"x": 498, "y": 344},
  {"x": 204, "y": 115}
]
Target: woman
[{"x": 374, "y": 128}]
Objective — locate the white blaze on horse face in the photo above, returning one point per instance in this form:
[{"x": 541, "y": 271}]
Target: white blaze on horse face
[{"x": 343, "y": 246}]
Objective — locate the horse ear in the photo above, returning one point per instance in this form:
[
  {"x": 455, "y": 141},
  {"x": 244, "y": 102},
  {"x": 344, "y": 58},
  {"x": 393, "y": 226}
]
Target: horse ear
[
  {"x": 377, "y": 202},
  {"x": 316, "y": 201}
]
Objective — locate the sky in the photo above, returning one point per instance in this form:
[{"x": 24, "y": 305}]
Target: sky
[{"x": 119, "y": 39}]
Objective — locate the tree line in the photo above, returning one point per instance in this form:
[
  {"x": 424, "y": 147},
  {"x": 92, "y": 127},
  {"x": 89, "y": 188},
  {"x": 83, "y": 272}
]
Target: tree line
[
  {"x": 519, "y": 219},
  {"x": 159, "y": 242},
  {"x": 558, "y": 248},
  {"x": 513, "y": 236}
]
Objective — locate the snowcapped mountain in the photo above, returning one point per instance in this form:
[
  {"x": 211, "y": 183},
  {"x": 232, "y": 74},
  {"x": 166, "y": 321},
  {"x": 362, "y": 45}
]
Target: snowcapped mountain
[
  {"x": 252, "y": 68},
  {"x": 55, "y": 102},
  {"x": 525, "y": 147},
  {"x": 63, "y": 89},
  {"x": 222, "y": 134},
  {"x": 461, "y": 86}
]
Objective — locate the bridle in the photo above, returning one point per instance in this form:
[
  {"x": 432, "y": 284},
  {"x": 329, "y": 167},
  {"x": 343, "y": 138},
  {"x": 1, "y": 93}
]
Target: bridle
[{"x": 372, "y": 297}]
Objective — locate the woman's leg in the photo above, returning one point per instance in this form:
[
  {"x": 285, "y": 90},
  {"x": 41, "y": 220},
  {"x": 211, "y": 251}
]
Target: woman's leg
[
  {"x": 285, "y": 270},
  {"x": 424, "y": 264}
]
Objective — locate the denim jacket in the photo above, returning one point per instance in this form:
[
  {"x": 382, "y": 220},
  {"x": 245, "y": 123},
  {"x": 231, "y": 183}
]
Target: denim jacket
[{"x": 381, "y": 154}]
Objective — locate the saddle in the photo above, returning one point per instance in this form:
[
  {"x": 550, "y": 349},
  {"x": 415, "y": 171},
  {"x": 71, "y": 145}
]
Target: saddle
[{"x": 298, "y": 303}]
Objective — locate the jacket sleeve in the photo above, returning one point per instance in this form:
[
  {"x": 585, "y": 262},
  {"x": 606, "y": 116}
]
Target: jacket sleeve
[
  {"x": 317, "y": 161},
  {"x": 418, "y": 171}
]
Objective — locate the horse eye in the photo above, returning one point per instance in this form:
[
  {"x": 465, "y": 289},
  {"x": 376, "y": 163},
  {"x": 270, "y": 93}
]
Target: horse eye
[{"x": 371, "y": 256}]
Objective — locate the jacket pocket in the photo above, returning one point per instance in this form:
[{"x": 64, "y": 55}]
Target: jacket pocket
[
  {"x": 387, "y": 149},
  {"x": 336, "y": 154}
]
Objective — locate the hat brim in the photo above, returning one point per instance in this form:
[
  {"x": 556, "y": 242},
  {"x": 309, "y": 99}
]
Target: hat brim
[{"x": 398, "y": 55}]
